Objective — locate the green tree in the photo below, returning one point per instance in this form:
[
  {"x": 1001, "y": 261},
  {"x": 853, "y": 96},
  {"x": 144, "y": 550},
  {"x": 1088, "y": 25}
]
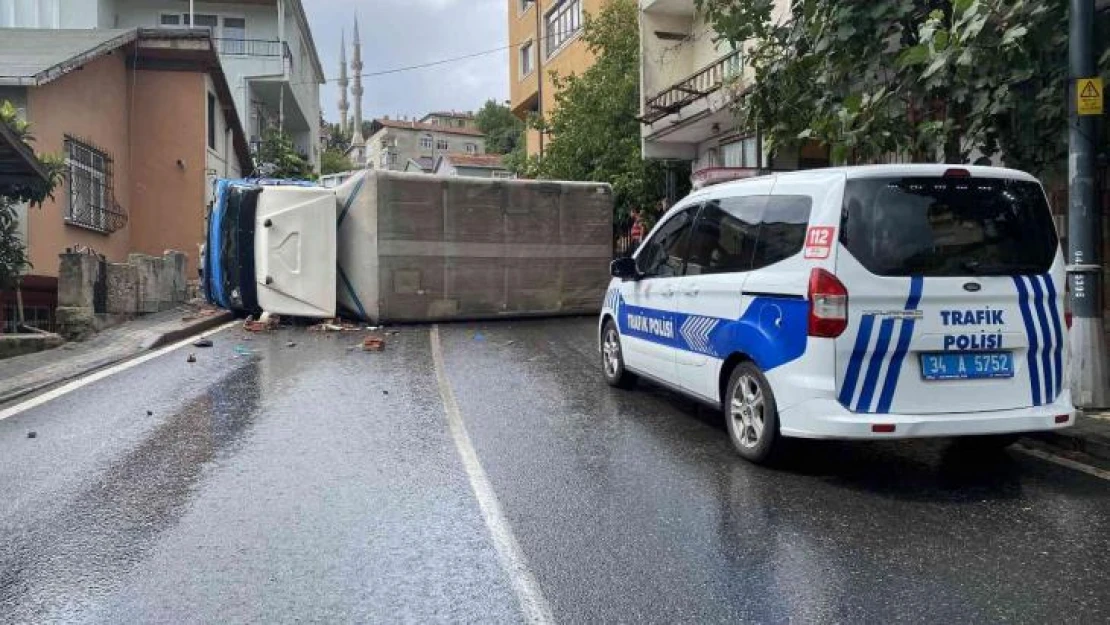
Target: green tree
[
  {"x": 594, "y": 134},
  {"x": 278, "y": 157},
  {"x": 930, "y": 79},
  {"x": 336, "y": 138},
  {"x": 503, "y": 130},
  {"x": 334, "y": 161}
]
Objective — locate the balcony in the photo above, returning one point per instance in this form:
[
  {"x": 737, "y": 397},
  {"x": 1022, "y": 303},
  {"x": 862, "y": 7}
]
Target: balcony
[
  {"x": 254, "y": 47},
  {"x": 668, "y": 7},
  {"x": 701, "y": 84}
]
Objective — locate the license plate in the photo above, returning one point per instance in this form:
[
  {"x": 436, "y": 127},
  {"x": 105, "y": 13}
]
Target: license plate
[{"x": 967, "y": 365}]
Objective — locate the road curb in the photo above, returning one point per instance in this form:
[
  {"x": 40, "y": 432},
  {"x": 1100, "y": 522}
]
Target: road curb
[
  {"x": 201, "y": 325},
  {"x": 1088, "y": 436},
  {"x": 162, "y": 340}
]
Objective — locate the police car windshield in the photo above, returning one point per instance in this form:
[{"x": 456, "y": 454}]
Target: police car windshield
[{"x": 931, "y": 226}]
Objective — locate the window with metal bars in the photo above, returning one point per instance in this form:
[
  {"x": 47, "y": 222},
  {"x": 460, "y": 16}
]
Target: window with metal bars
[{"x": 91, "y": 201}]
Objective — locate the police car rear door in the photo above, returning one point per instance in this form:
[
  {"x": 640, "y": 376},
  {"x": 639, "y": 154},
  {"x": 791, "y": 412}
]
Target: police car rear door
[{"x": 954, "y": 286}]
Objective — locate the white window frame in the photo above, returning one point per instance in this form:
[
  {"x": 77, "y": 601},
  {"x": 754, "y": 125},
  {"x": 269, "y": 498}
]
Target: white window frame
[
  {"x": 523, "y": 6},
  {"x": 731, "y": 158},
  {"x": 527, "y": 58},
  {"x": 427, "y": 142},
  {"x": 566, "y": 16},
  {"x": 443, "y": 145},
  {"x": 472, "y": 149},
  {"x": 180, "y": 20}
]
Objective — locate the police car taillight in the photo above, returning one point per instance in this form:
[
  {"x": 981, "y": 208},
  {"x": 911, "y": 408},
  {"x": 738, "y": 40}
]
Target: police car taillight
[{"x": 828, "y": 305}]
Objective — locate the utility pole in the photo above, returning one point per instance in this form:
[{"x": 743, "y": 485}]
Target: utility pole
[
  {"x": 1087, "y": 340},
  {"x": 540, "y": 47}
]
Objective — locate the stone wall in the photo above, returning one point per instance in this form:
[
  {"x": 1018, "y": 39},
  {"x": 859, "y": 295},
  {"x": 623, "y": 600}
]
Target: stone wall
[{"x": 142, "y": 285}]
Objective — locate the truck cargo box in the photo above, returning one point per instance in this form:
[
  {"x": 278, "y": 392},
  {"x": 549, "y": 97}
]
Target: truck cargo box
[{"x": 411, "y": 247}]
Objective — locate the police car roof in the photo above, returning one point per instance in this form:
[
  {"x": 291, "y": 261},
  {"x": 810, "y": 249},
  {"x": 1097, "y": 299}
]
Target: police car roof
[{"x": 859, "y": 171}]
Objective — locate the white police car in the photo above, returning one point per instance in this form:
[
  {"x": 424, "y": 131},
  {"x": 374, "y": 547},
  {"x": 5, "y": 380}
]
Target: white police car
[{"x": 863, "y": 302}]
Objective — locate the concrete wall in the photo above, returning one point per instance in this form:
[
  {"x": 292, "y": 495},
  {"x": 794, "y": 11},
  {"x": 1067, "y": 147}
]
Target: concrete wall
[
  {"x": 90, "y": 104},
  {"x": 169, "y": 125}
]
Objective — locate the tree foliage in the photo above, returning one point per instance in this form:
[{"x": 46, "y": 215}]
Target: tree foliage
[
  {"x": 279, "y": 158},
  {"x": 504, "y": 132},
  {"x": 335, "y": 138},
  {"x": 593, "y": 134},
  {"x": 924, "y": 79},
  {"x": 13, "y": 252},
  {"x": 334, "y": 161}
]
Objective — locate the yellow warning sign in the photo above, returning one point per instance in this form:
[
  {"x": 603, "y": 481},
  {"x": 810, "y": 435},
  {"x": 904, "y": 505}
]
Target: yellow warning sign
[{"x": 1088, "y": 91}]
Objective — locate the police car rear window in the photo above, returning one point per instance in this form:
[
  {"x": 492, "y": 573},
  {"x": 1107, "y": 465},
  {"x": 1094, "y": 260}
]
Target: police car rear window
[{"x": 932, "y": 226}]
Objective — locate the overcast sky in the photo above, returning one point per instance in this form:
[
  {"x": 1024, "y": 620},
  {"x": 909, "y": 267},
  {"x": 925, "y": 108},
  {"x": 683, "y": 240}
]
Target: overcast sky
[{"x": 399, "y": 33}]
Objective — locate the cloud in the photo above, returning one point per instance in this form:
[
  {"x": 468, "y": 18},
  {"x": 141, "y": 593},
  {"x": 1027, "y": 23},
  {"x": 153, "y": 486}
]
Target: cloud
[{"x": 403, "y": 33}]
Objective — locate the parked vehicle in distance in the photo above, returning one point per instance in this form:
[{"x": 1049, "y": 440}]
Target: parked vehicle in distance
[{"x": 890, "y": 301}]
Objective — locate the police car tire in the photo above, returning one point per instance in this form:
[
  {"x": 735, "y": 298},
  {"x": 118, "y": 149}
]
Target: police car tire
[
  {"x": 621, "y": 377},
  {"x": 769, "y": 443}
]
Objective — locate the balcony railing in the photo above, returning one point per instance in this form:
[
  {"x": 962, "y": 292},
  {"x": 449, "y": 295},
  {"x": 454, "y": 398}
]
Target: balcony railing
[
  {"x": 254, "y": 47},
  {"x": 698, "y": 85}
]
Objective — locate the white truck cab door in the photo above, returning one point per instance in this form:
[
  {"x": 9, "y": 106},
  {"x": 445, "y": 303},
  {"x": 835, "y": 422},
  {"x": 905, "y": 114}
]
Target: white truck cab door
[{"x": 295, "y": 250}]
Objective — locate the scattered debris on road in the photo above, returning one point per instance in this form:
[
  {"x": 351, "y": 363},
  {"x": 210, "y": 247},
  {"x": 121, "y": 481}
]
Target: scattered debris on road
[
  {"x": 291, "y": 344},
  {"x": 150, "y": 413},
  {"x": 242, "y": 351},
  {"x": 373, "y": 344},
  {"x": 264, "y": 323},
  {"x": 32, "y": 434},
  {"x": 203, "y": 343},
  {"x": 334, "y": 325},
  {"x": 191, "y": 358}
]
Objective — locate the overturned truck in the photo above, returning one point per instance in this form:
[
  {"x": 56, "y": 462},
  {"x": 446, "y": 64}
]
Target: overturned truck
[{"x": 393, "y": 247}]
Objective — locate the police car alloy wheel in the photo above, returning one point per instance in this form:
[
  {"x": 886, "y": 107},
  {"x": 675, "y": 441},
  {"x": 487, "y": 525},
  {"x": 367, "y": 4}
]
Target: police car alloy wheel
[
  {"x": 612, "y": 359},
  {"x": 751, "y": 413}
]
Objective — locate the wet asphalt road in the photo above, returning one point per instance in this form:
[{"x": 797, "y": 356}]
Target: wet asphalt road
[{"x": 316, "y": 483}]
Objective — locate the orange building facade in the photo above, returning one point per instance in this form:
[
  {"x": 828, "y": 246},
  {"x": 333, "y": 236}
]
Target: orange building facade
[{"x": 545, "y": 36}]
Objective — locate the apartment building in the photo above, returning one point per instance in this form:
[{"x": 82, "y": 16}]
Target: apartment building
[
  {"x": 451, "y": 119},
  {"x": 144, "y": 119},
  {"x": 545, "y": 36},
  {"x": 690, "y": 84},
  {"x": 398, "y": 144},
  {"x": 265, "y": 47}
]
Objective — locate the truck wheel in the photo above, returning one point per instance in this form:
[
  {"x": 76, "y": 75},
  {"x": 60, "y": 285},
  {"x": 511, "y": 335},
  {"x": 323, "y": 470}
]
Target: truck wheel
[
  {"x": 751, "y": 414},
  {"x": 612, "y": 358}
]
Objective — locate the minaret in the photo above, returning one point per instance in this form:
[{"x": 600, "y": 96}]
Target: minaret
[
  {"x": 356, "y": 89},
  {"x": 344, "y": 104}
]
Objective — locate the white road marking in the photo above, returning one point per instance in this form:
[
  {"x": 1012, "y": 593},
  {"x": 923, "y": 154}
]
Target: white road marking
[
  {"x": 1065, "y": 462},
  {"x": 103, "y": 373},
  {"x": 532, "y": 602}
]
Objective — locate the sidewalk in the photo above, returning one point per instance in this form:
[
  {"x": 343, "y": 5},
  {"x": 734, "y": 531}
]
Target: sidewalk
[{"x": 29, "y": 373}]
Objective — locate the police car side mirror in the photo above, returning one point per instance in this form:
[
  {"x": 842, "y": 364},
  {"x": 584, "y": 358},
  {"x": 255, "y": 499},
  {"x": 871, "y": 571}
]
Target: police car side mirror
[{"x": 624, "y": 268}]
